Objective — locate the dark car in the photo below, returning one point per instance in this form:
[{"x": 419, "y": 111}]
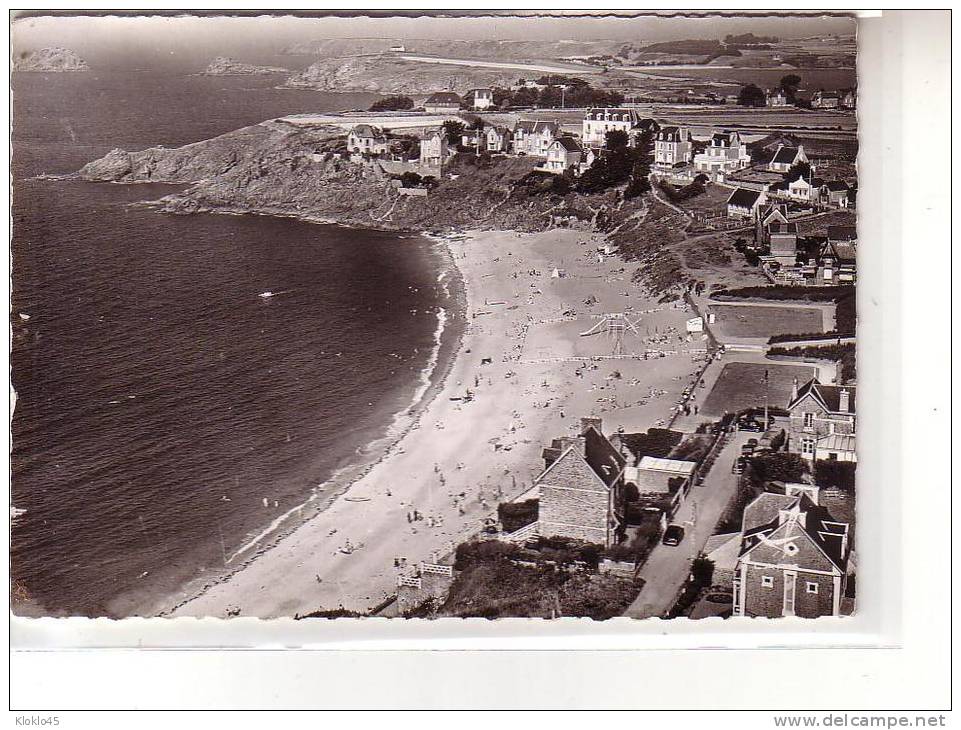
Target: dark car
[
  {"x": 673, "y": 535},
  {"x": 752, "y": 443},
  {"x": 747, "y": 450},
  {"x": 739, "y": 464}
]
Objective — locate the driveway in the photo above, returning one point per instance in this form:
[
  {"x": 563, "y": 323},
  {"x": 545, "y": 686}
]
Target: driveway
[{"x": 667, "y": 567}]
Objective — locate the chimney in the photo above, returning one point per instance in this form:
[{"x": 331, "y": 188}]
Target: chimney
[
  {"x": 844, "y": 401},
  {"x": 576, "y": 441},
  {"x": 586, "y": 423},
  {"x": 794, "y": 391}
]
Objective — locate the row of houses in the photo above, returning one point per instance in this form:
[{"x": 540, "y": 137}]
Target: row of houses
[{"x": 821, "y": 99}]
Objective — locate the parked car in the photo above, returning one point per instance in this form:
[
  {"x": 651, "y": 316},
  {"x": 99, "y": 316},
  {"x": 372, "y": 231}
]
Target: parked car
[
  {"x": 747, "y": 450},
  {"x": 673, "y": 535},
  {"x": 739, "y": 464},
  {"x": 753, "y": 443}
]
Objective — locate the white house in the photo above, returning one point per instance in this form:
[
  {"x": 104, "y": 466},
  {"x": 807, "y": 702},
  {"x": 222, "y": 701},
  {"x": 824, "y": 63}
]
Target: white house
[
  {"x": 777, "y": 98},
  {"x": 481, "y": 99},
  {"x": 534, "y": 137},
  {"x": 725, "y": 154},
  {"x": 497, "y": 139},
  {"x": 598, "y": 122},
  {"x": 434, "y": 149},
  {"x": 804, "y": 191},
  {"x": 672, "y": 147},
  {"x": 564, "y": 152},
  {"x": 745, "y": 203},
  {"x": 366, "y": 139},
  {"x": 786, "y": 157}
]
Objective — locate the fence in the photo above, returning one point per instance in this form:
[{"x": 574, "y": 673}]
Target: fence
[{"x": 436, "y": 569}]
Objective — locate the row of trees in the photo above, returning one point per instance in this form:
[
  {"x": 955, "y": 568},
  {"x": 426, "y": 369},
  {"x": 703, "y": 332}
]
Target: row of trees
[{"x": 621, "y": 163}]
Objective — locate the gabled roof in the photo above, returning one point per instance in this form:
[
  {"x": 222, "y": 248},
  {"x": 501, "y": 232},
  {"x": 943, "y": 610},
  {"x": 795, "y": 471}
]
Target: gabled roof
[
  {"x": 843, "y": 252},
  {"x": 531, "y": 126},
  {"x": 569, "y": 143},
  {"x": 744, "y": 198},
  {"x": 829, "y": 396},
  {"x": 443, "y": 97},
  {"x": 672, "y": 134},
  {"x": 800, "y": 524},
  {"x": 367, "y": 131},
  {"x": 774, "y": 210},
  {"x": 837, "y": 186},
  {"x": 603, "y": 460},
  {"x": 785, "y": 155}
]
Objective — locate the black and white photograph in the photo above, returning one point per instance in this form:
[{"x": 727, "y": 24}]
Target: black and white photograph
[{"x": 439, "y": 316}]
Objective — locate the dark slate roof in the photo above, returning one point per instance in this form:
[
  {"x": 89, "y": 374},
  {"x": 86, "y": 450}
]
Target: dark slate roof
[
  {"x": 778, "y": 227},
  {"x": 531, "y": 126},
  {"x": 828, "y": 395},
  {"x": 569, "y": 143},
  {"x": 443, "y": 97},
  {"x": 744, "y": 198},
  {"x": 785, "y": 155},
  {"x": 366, "y": 130},
  {"x": 670, "y": 134},
  {"x": 843, "y": 233},
  {"x": 843, "y": 252},
  {"x": 836, "y": 186}
]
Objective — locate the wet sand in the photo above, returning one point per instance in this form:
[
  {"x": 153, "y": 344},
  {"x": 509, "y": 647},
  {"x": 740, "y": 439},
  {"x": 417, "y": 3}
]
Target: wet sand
[{"x": 530, "y": 378}]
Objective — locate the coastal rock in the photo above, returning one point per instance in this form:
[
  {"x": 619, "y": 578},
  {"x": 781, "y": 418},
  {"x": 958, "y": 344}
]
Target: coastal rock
[
  {"x": 115, "y": 165},
  {"x": 389, "y": 74},
  {"x": 225, "y": 66},
  {"x": 50, "y": 60}
]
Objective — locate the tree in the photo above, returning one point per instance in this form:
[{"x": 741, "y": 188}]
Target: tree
[
  {"x": 799, "y": 170},
  {"x": 790, "y": 85},
  {"x": 751, "y": 95},
  {"x": 615, "y": 139},
  {"x": 454, "y": 130}
]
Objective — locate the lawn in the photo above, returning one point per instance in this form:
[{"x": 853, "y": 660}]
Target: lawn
[
  {"x": 762, "y": 321},
  {"x": 741, "y": 385}
]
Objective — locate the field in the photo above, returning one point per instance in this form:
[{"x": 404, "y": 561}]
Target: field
[
  {"x": 741, "y": 385},
  {"x": 764, "y": 321}
]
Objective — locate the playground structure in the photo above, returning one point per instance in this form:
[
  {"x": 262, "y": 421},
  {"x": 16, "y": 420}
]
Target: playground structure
[{"x": 615, "y": 325}]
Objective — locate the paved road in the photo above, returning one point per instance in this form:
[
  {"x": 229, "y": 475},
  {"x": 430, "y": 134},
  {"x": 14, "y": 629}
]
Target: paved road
[{"x": 668, "y": 567}]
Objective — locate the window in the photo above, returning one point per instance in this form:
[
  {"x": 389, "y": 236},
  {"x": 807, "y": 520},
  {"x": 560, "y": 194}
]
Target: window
[
  {"x": 808, "y": 420},
  {"x": 767, "y": 581},
  {"x": 807, "y": 446},
  {"x": 812, "y": 587}
]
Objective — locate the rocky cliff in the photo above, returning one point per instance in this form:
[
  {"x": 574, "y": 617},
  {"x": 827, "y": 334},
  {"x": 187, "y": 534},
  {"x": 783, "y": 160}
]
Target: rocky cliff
[
  {"x": 49, "y": 60},
  {"x": 224, "y": 66}
]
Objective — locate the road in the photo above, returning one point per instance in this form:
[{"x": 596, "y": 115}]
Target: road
[{"x": 667, "y": 567}]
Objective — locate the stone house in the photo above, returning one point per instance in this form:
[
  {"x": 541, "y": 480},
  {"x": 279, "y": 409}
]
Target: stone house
[
  {"x": 745, "y": 203},
  {"x": 793, "y": 557},
  {"x": 672, "y": 147},
  {"x": 726, "y": 153},
  {"x": 818, "y": 410},
  {"x": 782, "y": 239},
  {"x": 534, "y": 137},
  {"x": 564, "y": 153},
  {"x": 442, "y": 102},
  {"x": 366, "y": 139},
  {"x": 497, "y": 139},
  {"x": 579, "y": 489}
]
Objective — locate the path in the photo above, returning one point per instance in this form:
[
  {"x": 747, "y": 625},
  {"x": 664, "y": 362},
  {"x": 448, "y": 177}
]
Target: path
[{"x": 668, "y": 567}]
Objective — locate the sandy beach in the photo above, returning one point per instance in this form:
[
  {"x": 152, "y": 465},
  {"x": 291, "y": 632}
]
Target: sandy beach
[{"x": 529, "y": 375}]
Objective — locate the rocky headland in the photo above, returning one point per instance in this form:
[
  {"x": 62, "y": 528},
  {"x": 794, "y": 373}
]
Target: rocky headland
[
  {"x": 225, "y": 66},
  {"x": 50, "y": 60}
]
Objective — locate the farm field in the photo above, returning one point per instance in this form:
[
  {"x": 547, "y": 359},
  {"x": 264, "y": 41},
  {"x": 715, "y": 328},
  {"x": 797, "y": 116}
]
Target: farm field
[
  {"x": 741, "y": 385},
  {"x": 764, "y": 321}
]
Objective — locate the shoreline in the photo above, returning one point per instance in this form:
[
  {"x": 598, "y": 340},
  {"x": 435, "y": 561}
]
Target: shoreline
[{"x": 342, "y": 479}]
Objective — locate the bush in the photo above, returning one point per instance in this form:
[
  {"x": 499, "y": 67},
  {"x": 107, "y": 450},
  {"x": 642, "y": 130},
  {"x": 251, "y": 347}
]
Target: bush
[
  {"x": 657, "y": 442},
  {"x": 515, "y": 515},
  {"x": 392, "y": 104},
  {"x": 838, "y": 474},
  {"x": 777, "y": 467},
  {"x": 845, "y": 354}
]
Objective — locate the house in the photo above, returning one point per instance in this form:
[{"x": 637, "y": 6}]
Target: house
[
  {"x": 786, "y": 157},
  {"x": 598, "y": 122},
  {"x": 398, "y": 49},
  {"x": 498, "y": 139},
  {"x": 672, "y": 147},
  {"x": 849, "y": 99},
  {"x": 564, "y": 153},
  {"x": 843, "y": 234},
  {"x": 835, "y": 192},
  {"x": 777, "y": 98},
  {"x": 579, "y": 489},
  {"x": 442, "y": 102},
  {"x": 818, "y": 410},
  {"x": 782, "y": 239},
  {"x": 793, "y": 558},
  {"x": 806, "y": 189},
  {"x": 528, "y": 84},
  {"x": 534, "y": 137},
  {"x": 434, "y": 149},
  {"x": 366, "y": 139},
  {"x": 837, "y": 263},
  {"x": 826, "y": 100},
  {"x": 725, "y": 154},
  {"x": 660, "y": 483},
  {"x": 480, "y": 99},
  {"x": 767, "y": 216},
  {"x": 471, "y": 137},
  {"x": 745, "y": 203}
]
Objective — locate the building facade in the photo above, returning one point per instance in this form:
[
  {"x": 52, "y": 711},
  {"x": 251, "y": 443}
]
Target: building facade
[
  {"x": 534, "y": 137},
  {"x": 818, "y": 410},
  {"x": 598, "y": 122},
  {"x": 725, "y": 153},
  {"x": 564, "y": 153},
  {"x": 366, "y": 139},
  {"x": 434, "y": 149},
  {"x": 442, "y": 102},
  {"x": 672, "y": 147}
]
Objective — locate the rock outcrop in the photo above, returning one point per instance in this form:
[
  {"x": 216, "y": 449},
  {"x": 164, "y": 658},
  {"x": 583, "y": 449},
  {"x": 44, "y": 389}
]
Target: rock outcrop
[
  {"x": 224, "y": 66},
  {"x": 50, "y": 60}
]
